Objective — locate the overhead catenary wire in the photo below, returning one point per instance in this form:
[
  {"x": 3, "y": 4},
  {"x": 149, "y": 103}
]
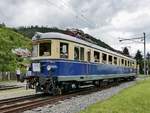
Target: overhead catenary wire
[
  {"x": 83, "y": 17},
  {"x": 143, "y": 39},
  {"x": 80, "y": 16}
]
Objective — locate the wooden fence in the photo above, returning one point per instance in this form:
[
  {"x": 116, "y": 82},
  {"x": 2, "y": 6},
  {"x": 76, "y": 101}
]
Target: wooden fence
[{"x": 7, "y": 76}]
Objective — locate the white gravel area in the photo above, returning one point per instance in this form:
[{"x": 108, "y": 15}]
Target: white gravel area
[
  {"x": 11, "y": 93},
  {"x": 16, "y": 93},
  {"x": 76, "y": 104}
]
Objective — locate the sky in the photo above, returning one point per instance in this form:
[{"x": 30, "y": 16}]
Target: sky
[{"x": 107, "y": 20}]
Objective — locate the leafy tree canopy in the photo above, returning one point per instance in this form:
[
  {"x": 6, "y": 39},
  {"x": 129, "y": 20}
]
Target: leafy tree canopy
[
  {"x": 10, "y": 40},
  {"x": 126, "y": 51}
]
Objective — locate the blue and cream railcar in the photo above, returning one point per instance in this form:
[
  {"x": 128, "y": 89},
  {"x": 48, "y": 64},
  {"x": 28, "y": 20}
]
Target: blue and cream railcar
[{"x": 60, "y": 61}]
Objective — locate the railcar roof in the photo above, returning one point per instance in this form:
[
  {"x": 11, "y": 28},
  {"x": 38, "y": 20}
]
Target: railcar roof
[{"x": 55, "y": 35}]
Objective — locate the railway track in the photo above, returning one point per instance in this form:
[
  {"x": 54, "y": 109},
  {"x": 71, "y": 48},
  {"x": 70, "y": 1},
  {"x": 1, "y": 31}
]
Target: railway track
[
  {"x": 20, "y": 104},
  {"x": 18, "y": 99}
]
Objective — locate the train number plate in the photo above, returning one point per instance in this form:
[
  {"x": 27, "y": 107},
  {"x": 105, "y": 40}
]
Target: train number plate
[{"x": 36, "y": 67}]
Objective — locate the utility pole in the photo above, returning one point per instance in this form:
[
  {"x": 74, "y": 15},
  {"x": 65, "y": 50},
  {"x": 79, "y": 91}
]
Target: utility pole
[
  {"x": 144, "y": 54},
  {"x": 144, "y": 39}
]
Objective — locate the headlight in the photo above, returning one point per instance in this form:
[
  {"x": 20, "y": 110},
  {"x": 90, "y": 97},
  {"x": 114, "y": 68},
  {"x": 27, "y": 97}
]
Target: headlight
[{"x": 48, "y": 67}]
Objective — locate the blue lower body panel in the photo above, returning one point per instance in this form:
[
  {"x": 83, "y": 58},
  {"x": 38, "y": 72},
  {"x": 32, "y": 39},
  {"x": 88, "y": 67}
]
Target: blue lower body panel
[{"x": 67, "y": 68}]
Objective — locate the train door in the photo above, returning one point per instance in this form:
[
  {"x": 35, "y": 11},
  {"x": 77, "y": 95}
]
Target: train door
[{"x": 88, "y": 60}]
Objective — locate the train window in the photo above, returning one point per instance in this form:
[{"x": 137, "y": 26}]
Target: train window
[
  {"x": 128, "y": 64},
  {"x": 45, "y": 49},
  {"x": 89, "y": 56},
  {"x": 76, "y": 53},
  {"x": 63, "y": 50},
  {"x": 125, "y": 63},
  {"x": 122, "y": 61},
  {"x": 96, "y": 56},
  {"x": 81, "y": 53},
  {"x": 115, "y": 60},
  {"x": 133, "y": 64},
  {"x": 104, "y": 58},
  {"x": 110, "y": 59},
  {"x": 34, "y": 50}
]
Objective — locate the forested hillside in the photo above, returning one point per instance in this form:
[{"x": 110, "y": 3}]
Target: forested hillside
[
  {"x": 30, "y": 31},
  {"x": 11, "y": 40}
]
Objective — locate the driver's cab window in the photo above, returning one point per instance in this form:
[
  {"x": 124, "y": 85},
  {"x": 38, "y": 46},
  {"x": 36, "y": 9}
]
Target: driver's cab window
[
  {"x": 45, "y": 49},
  {"x": 63, "y": 50}
]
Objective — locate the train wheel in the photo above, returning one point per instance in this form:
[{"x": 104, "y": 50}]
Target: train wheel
[
  {"x": 57, "y": 91},
  {"x": 116, "y": 81},
  {"x": 100, "y": 83},
  {"x": 77, "y": 85},
  {"x": 132, "y": 78},
  {"x": 97, "y": 83}
]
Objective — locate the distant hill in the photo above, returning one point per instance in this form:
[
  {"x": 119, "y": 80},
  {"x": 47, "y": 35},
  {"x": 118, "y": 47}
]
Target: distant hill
[
  {"x": 30, "y": 31},
  {"x": 11, "y": 40}
]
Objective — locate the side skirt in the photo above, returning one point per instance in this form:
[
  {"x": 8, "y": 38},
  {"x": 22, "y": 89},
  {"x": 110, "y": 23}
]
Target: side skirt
[{"x": 93, "y": 77}]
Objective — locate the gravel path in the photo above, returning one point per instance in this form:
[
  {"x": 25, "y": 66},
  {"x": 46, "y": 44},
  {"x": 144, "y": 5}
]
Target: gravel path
[
  {"x": 11, "y": 93},
  {"x": 76, "y": 104}
]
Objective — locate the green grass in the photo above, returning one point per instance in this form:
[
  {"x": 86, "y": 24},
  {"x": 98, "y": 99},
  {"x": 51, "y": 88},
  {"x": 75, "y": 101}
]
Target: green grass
[
  {"x": 135, "y": 99},
  {"x": 143, "y": 76}
]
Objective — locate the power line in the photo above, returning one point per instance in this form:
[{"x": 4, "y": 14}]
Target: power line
[
  {"x": 144, "y": 43},
  {"x": 81, "y": 16},
  {"x": 125, "y": 39},
  {"x": 131, "y": 36},
  {"x": 65, "y": 4}
]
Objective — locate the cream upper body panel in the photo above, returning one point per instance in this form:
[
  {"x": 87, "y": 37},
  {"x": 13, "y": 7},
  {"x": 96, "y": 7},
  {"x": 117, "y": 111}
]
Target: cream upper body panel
[
  {"x": 57, "y": 38},
  {"x": 55, "y": 35}
]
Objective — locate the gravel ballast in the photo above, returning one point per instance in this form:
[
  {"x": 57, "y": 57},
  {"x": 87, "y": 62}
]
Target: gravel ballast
[{"x": 76, "y": 104}]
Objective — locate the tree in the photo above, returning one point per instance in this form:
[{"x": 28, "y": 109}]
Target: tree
[
  {"x": 139, "y": 60},
  {"x": 148, "y": 61},
  {"x": 148, "y": 56},
  {"x": 2, "y": 24},
  {"x": 126, "y": 51}
]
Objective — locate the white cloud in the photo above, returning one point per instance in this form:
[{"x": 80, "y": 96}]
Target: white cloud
[
  {"x": 126, "y": 20},
  {"x": 106, "y": 20}
]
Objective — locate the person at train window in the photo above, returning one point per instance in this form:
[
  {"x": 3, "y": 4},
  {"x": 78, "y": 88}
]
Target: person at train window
[
  {"x": 45, "y": 49},
  {"x": 63, "y": 55},
  {"x": 45, "y": 53},
  {"x": 63, "y": 50}
]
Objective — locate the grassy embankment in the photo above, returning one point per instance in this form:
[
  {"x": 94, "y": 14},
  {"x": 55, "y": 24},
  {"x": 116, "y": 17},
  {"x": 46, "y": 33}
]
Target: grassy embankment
[
  {"x": 135, "y": 99},
  {"x": 11, "y": 40}
]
